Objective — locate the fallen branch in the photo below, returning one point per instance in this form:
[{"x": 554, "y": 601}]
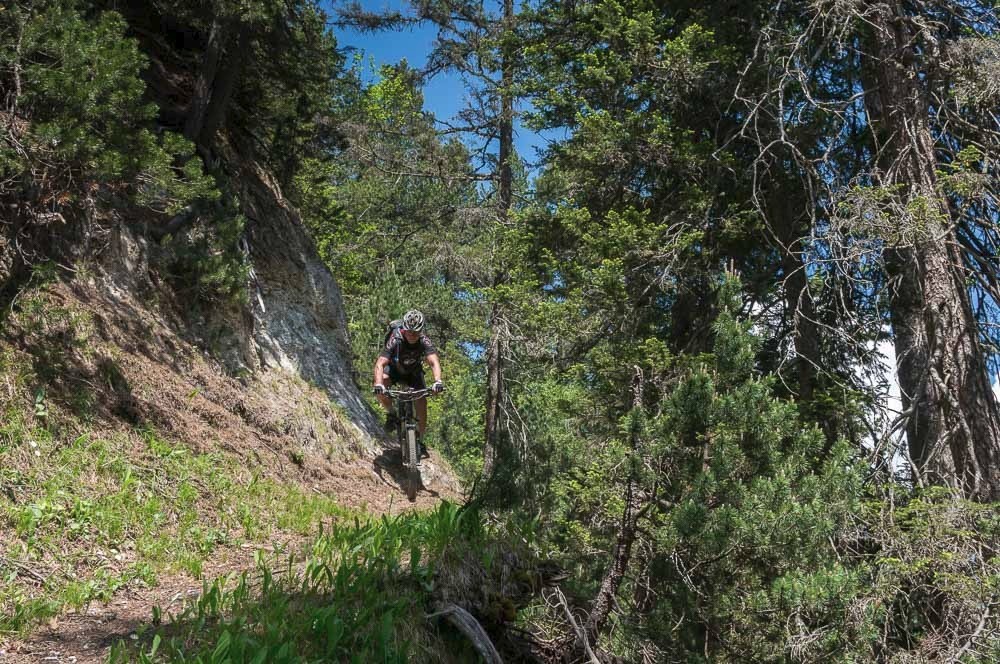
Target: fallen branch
[
  {"x": 581, "y": 635},
  {"x": 463, "y": 621},
  {"x": 972, "y": 637},
  {"x": 23, "y": 567}
]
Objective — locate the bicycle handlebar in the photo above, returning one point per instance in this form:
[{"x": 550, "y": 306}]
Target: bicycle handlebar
[{"x": 409, "y": 395}]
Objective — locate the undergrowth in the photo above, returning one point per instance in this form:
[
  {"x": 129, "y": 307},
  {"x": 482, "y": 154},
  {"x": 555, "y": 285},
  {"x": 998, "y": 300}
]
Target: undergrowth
[
  {"x": 89, "y": 514},
  {"x": 363, "y": 594},
  {"x": 92, "y": 515},
  {"x": 87, "y": 511}
]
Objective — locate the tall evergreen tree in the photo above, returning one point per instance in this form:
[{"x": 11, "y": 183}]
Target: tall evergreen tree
[
  {"x": 479, "y": 43},
  {"x": 888, "y": 79}
]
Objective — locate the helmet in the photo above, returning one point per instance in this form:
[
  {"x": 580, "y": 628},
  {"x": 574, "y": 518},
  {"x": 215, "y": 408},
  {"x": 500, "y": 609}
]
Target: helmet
[{"x": 413, "y": 321}]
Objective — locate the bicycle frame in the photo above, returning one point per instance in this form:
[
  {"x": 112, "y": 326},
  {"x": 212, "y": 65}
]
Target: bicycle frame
[
  {"x": 404, "y": 400},
  {"x": 408, "y": 429}
]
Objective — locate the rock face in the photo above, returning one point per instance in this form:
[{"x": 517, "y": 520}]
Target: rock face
[{"x": 297, "y": 314}]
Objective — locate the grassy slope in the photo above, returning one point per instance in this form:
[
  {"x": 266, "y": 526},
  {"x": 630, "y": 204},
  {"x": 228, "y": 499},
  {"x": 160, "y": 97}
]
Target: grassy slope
[
  {"x": 362, "y": 594},
  {"x": 93, "y": 498},
  {"x": 125, "y": 458}
]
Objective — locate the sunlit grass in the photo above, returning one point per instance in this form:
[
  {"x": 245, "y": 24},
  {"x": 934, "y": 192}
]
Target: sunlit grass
[
  {"x": 85, "y": 514},
  {"x": 92, "y": 516},
  {"x": 361, "y": 595}
]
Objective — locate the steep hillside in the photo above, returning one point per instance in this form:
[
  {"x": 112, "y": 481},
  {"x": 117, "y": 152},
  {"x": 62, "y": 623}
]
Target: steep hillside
[
  {"x": 145, "y": 444},
  {"x": 295, "y": 319},
  {"x": 127, "y": 454},
  {"x": 156, "y": 432},
  {"x": 177, "y": 400}
]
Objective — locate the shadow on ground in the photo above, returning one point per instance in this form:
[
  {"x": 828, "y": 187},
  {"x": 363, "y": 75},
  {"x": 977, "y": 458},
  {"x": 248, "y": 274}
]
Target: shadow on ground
[{"x": 390, "y": 462}]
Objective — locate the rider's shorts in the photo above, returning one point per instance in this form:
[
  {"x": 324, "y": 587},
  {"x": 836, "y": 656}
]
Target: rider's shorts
[{"x": 414, "y": 380}]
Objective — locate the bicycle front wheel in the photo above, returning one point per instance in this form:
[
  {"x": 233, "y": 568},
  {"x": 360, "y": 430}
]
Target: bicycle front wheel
[{"x": 411, "y": 449}]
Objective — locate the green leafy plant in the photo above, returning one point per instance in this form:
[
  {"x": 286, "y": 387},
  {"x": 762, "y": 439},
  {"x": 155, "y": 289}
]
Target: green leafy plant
[{"x": 360, "y": 595}]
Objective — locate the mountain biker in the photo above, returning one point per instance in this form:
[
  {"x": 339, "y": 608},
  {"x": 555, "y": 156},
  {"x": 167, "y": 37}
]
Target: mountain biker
[{"x": 401, "y": 361}]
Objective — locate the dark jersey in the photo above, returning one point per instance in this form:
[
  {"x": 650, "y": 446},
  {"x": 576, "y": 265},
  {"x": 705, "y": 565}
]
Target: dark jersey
[{"x": 405, "y": 357}]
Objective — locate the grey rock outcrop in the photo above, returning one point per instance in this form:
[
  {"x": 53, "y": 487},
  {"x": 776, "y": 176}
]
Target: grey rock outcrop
[{"x": 298, "y": 321}]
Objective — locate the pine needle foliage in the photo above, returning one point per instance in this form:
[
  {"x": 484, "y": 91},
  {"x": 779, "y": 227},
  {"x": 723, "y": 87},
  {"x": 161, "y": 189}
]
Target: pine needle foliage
[{"x": 78, "y": 120}]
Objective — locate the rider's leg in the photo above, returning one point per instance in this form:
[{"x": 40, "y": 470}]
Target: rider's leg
[
  {"x": 421, "y": 407},
  {"x": 388, "y": 380}
]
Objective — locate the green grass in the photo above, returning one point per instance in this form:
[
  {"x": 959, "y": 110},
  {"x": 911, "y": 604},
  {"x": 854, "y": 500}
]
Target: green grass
[
  {"x": 362, "y": 595},
  {"x": 93, "y": 515},
  {"x": 84, "y": 515}
]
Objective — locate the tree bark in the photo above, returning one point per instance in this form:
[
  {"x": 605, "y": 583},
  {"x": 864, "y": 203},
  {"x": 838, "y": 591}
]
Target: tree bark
[
  {"x": 494, "y": 392},
  {"x": 495, "y": 351},
  {"x": 801, "y": 311},
  {"x": 805, "y": 332},
  {"x": 217, "y": 78},
  {"x": 953, "y": 432},
  {"x": 203, "y": 85},
  {"x": 622, "y": 554},
  {"x": 224, "y": 85},
  {"x": 467, "y": 624},
  {"x": 786, "y": 220},
  {"x": 16, "y": 69},
  {"x": 506, "y": 114}
]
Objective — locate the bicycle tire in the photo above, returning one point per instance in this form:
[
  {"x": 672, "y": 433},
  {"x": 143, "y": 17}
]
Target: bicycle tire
[{"x": 411, "y": 450}]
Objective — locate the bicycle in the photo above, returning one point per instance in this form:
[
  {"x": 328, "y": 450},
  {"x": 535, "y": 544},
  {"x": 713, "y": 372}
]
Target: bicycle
[{"x": 408, "y": 433}]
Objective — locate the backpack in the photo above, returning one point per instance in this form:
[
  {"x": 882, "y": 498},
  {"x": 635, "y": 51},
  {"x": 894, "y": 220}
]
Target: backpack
[{"x": 392, "y": 328}]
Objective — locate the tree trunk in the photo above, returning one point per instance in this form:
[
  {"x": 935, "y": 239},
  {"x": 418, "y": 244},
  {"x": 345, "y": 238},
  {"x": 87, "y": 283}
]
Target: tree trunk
[
  {"x": 805, "y": 334},
  {"x": 495, "y": 351},
  {"x": 953, "y": 431},
  {"x": 620, "y": 559},
  {"x": 203, "y": 85},
  {"x": 224, "y": 85},
  {"x": 622, "y": 554},
  {"x": 785, "y": 217},
  {"x": 217, "y": 78},
  {"x": 506, "y": 114},
  {"x": 494, "y": 392},
  {"x": 14, "y": 96},
  {"x": 786, "y": 211}
]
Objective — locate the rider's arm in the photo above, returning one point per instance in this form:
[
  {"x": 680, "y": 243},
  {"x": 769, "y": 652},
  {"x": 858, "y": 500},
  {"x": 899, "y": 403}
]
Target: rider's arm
[
  {"x": 432, "y": 360},
  {"x": 380, "y": 365}
]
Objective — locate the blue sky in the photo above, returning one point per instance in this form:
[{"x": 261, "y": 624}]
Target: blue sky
[{"x": 445, "y": 94}]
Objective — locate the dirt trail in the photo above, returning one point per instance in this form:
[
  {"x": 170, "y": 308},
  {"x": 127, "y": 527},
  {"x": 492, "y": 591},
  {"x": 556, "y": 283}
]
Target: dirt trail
[
  {"x": 143, "y": 370},
  {"x": 86, "y": 637}
]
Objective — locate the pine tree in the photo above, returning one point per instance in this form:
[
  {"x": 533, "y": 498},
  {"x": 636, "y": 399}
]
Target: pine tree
[
  {"x": 480, "y": 45},
  {"x": 886, "y": 82}
]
